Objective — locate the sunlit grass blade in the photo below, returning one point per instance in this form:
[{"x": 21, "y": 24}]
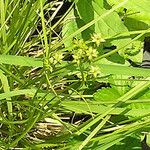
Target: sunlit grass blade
[{"x": 94, "y": 132}]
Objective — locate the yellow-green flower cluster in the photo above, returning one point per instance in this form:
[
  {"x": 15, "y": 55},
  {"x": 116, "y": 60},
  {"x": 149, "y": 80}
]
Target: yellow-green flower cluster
[
  {"x": 91, "y": 53},
  {"x": 80, "y": 44},
  {"x": 56, "y": 58},
  {"x": 97, "y": 38},
  {"x": 83, "y": 53},
  {"x": 94, "y": 70}
]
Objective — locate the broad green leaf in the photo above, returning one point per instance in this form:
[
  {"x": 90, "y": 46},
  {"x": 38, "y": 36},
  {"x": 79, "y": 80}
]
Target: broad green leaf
[
  {"x": 99, "y": 3},
  {"x": 86, "y": 13},
  {"x": 121, "y": 83},
  {"x": 69, "y": 27},
  {"x": 143, "y": 95},
  {"x": 137, "y": 15},
  {"x": 85, "y": 10},
  {"x": 124, "y": 70},
  {"x": 82, "y": 107},
  {"x": 116, "y": 59},
  {"x": 137, "y": 5},
  {"x": 110, "y": 26},
  {"x": 106, "y": 94},
  {"x": 137, "y": 21},
  {"x": 134, "y": 52},
  {"x": 129, "y": 143}
]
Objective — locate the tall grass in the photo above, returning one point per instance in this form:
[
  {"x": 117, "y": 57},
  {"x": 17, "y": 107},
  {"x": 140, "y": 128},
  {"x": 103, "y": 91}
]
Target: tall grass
[{"x": 43, "y": 81}]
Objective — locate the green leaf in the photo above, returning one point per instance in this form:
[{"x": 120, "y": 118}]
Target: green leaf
[
  {"x": 85, "y": 10},
  {"x": 137, "y": 14},
  {"x": 20, "y": 61},
  {"x": 134, "y": 52},
  {"x": 82, "y": 107},
  {"x": 124, "y": 70},
  {"x": 137, "y": 21},
  {"x": 69, "y": 27},
  {"x": 17, "y": 93},
  {"x": 121, "y": 83},
  {"x": 86, "y": 13},
  {"x": 106, "y": 94},
  {"x": 6, "y": 88},
  {"x": 143, "y": 95},
  {"x": 129, "y": 143},
  {"x": 110, "y": 26},
  {"x": 137, "y": 5}
]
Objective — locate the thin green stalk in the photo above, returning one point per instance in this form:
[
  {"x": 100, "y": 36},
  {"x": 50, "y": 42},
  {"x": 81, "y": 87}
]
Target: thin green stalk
[
  {"x": 85, "y": 102},
  {"x": 6, "y": 88},
  {"x": 50, "y": 85},
  {"x": 127, "y": 34},
  {"x": 2, "y": 20},
  {"x": 44, "y": 31},
  {"x": 93, "y": 133},
  {"x": 20, "y": 31},
  {"x": 10, "y": 15}
]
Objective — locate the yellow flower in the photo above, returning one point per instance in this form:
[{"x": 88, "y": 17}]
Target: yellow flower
[
  {"x": 51, "y": 60},
  {"x": 94, "y": 71},
  {"x": 76, "y": 58},
  {"x": 58, "y": 57},
  {"x": 91, "y": 53},
  {"x": 97, "y": 38},
  {"x": 80, "y": 43}
]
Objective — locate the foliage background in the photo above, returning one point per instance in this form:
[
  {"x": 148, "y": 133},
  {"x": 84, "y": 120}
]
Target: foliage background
[{"x": 82, "y": 64}]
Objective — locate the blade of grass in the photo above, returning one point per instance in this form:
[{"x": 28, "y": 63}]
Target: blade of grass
[
  {"x": 32, "y": 122},
  {"x": 108, "y": 140},
  {"x": 12, "y": 75},
  {"x": 10, "y": 15},
  {"x": 46, "y": 46},
  {"x": 20, "y": 60},
  {"x": 3, "y": 32},
  {"x": 141, "y": 86},
  {"x": 93, "y": 133},
  {"x": 6, "y": 88},
  {"x": 124, "y": 70}
]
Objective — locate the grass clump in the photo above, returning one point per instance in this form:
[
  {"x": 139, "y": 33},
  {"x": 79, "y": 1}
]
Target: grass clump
[{"x": 72, "y": 79}]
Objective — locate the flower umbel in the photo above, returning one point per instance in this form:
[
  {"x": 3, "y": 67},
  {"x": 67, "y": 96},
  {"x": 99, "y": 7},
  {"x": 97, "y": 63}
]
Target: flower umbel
[
  {"x": 80, "y": 44},
  {"x": 91, "y": 53},
  {"x": 58, "y": 57},
  {"x": 77, "y": 58},
  {"x": 94, "y": 71},
  {"x": 97, "y": 38}
]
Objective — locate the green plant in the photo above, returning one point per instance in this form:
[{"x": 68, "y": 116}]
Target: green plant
[{"x": 76, "y": 65}]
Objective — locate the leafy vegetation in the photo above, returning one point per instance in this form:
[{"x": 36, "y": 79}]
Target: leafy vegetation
[{"x": 72, "y": 79}]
